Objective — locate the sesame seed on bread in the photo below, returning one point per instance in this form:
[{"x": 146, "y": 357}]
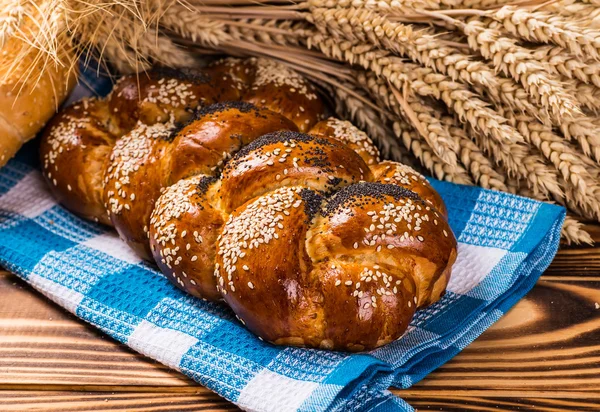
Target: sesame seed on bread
[{"x": 229, "y": 179}]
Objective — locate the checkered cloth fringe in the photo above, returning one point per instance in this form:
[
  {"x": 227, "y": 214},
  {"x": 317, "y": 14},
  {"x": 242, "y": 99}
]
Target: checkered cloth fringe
[{"x": 504, "y": 243}]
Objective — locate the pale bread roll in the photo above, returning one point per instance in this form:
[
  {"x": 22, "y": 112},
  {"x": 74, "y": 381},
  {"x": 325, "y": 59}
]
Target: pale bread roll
[{"x": 30, "y": 94}]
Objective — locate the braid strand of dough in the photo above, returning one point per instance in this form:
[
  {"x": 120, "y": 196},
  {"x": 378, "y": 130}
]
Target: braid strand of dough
[{"x": 232, "y": 181}]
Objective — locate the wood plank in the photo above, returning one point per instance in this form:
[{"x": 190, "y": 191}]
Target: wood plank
[
  {"x": 578, "y": 260},
  {"x": 110, "y": 401},
  {"x": 434, "y": 402},
  {"x": 40, "y": 343},
  {"x": 62, "y": 401},
  {"x": 548, "y": 341},
  {"x": 543, "y": 355}
]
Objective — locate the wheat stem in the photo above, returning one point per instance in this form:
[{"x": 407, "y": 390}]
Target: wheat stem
[{"x": 11, "y": 16}]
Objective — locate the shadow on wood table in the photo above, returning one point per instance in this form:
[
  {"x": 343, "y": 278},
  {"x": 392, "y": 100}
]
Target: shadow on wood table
[{"x": 544, "y": 355}]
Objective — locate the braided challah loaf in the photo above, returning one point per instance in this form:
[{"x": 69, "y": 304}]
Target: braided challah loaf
[{"x": 309, "y": 238}]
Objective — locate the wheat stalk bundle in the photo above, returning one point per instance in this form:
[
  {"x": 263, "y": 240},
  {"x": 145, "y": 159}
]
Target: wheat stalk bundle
[{"x": 499, "y": 93}]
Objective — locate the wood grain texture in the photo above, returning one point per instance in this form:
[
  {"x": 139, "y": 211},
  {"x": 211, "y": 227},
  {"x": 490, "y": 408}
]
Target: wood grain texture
[
  {"x": 576, "y": 261},
  {"x": 456, "y": 402},
  {"x": 110, "y": 401},
  {"x": 579, "y": 260},
  {"x": 65, "y": 401},
  {"x": 544, "y": 355},
  {"x": 550, "y": 341},
  {"x": 42, "y": 344}
]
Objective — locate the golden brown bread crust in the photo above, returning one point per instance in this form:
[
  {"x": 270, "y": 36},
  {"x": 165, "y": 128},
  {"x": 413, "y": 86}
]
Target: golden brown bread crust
[
  {"x": 343, "y": 274},
  {"x": 184, "y": 228},
  {"x": 307, "y": 237},
  {"x": 350, "y": 135},
  {"x": 289, "y": 159},
  {"x": 277, "y": 88},
  {"x": 390, "y": 226},
  {"x": 241, "y": 71},
  {"x": 218, "y": 132},
  {"x": 78, "y": 142},
  {"x": 266, "y": 290},
  {"x": 164, "y": 94},
  {"x": 405, "y": 176},
  {"x": 74, "y": 152},
  {"x": 151, "y": 158},
  {"x": 134, "y": 177}
]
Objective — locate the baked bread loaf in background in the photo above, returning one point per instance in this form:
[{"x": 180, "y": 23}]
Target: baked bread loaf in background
[
  {"x": 31, "y": 91},
  {"x": 230, "y": 179}
]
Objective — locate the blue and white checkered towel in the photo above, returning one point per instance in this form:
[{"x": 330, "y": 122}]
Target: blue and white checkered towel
[{"x": 505, "y": 243}]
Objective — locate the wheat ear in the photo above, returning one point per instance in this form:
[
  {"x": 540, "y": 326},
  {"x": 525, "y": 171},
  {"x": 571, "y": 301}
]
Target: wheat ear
[
  {"x": 440, "y": 170},
  {"x": 210, "y": 32},
  {"x": 408, "y": 134},
  {"x": 519, "y": 63},
  {"x": 424, "y": 82},
  {"x": 587, "y": 94},
  {"x": 419, "y": 114},
  {"x": 573, "y": 206},
  {"x": 271, "y": 31},
  {"x": 371, "y": 121},
  {"x": 459, "y": 99},
  {"x": 125, "y": 60},
  {"x": 547, "y": 28},
  {"x": 585, "y": 132},
  {"x": 565, "y": 159},
  {"x": 11, "y": 15},
  {"x": 162, "y": 50},
  {"x": 366, "y": 27},
  {"x": 473, "y": 4},
  {"x": 573, "y": 232},
  {"x": 568, "y": 65},
  {"x": 586, "y": 15},
  {"x": 385, "y": 5},
  {"x": 518, "y": 161},
  {"x": 189, "y": 24},
  {"x": 481, "y": 168}
]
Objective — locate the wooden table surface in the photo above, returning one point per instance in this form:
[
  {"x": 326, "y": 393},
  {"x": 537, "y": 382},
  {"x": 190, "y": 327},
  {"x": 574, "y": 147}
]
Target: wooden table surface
[{"x": 544, "y": 355}]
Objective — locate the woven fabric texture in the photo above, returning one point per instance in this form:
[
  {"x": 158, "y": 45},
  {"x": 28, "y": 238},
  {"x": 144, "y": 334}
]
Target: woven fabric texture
[{"x": 505, "y": 242}]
